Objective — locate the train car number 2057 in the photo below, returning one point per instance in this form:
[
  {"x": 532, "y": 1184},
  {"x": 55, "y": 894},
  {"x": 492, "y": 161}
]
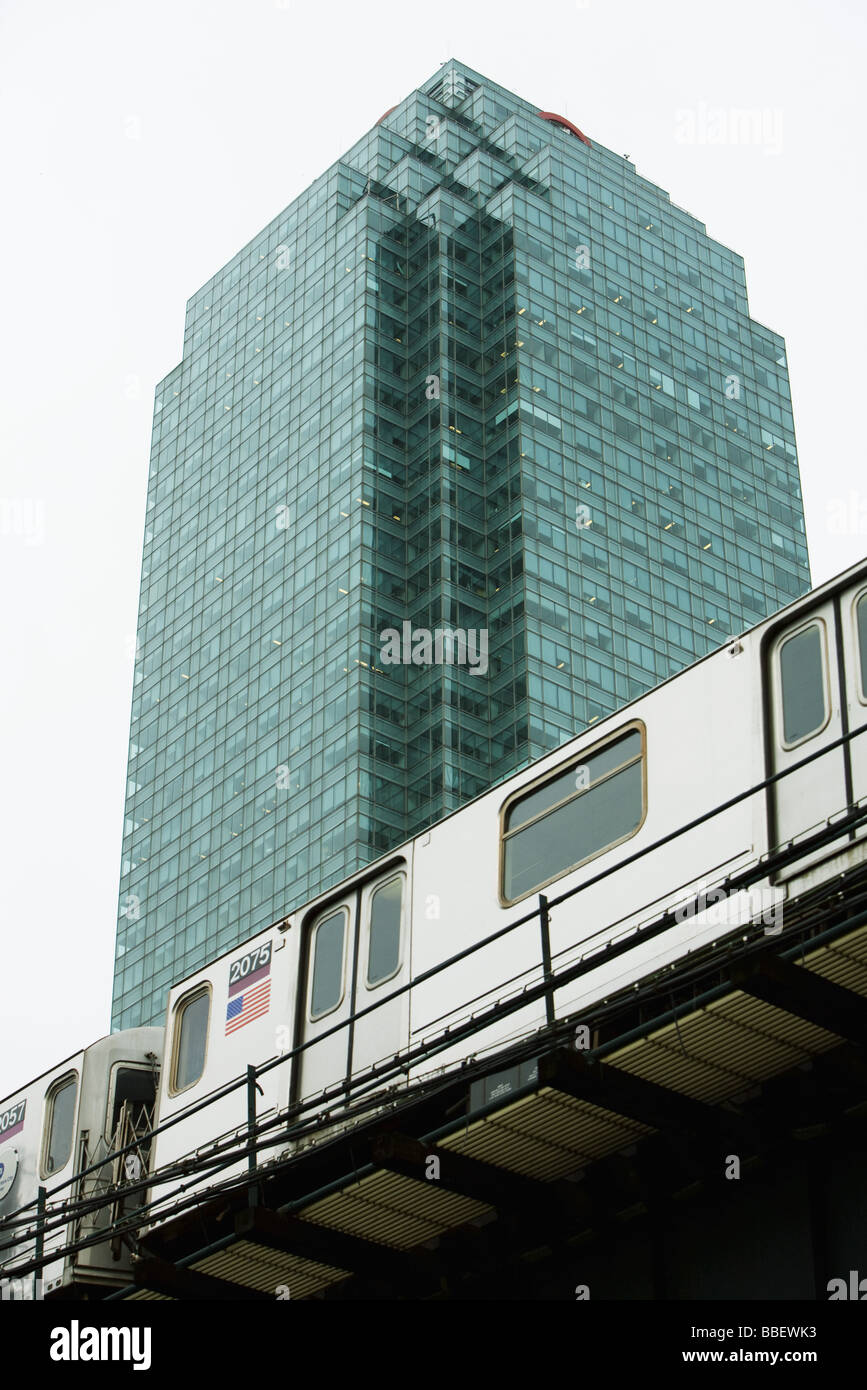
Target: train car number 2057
[{"x": 12, "y": 1119}]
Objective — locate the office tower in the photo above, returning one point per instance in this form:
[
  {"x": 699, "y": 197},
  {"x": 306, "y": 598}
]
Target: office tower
[{"x": 481, "y": 378}]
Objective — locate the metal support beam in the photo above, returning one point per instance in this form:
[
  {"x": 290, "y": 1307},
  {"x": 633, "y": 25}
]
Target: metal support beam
[
  {"x": 616, "y": 1090},
  {"x": 40, "y": 1236},
  {"x": 252, "y": 1193},
  {"x": 308, "y": 1240},
  {"x": 806, "y": 995},
  {"x": 161, "y": 1277},
  {"x": 545, "y": 929},
  {"x": 512, "y": 1194}
]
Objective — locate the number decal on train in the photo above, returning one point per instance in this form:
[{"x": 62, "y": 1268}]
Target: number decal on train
[
  {"x": 249, "y": 964},
  {"x": 12, "y": 1120}
]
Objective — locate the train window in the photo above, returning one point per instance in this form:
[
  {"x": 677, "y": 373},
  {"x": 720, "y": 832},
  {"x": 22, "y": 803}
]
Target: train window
[
  {"x": 861, "y": 623},
  {"x": 134, "y": 1084},
  {"x": 326, "y": 990},
  {"x": 802, "y": 684},
  {"x": 383, "y": 956},
  {"x": 573, "y": 815},
  {"x": 59, "y": 1124},
  {"x": 190, "y": 1038}
]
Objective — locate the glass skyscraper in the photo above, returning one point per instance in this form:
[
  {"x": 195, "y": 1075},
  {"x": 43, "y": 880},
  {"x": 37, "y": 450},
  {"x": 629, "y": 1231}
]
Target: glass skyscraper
[{"x": 480, "y": 377}]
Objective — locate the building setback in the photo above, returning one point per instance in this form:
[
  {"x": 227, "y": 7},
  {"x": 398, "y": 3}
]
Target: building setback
[{"x": 481, "y": 379}]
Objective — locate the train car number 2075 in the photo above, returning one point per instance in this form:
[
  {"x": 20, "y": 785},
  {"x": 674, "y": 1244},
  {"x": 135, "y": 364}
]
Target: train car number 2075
[{"x": 246, "y": 965}]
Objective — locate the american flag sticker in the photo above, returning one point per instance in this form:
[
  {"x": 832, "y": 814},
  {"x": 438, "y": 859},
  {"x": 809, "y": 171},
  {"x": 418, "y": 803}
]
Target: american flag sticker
[{"x": 248, "y": 999}]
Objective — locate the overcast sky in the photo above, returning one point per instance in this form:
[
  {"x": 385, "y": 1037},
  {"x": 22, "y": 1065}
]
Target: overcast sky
[{"x": 144, "y": 144}]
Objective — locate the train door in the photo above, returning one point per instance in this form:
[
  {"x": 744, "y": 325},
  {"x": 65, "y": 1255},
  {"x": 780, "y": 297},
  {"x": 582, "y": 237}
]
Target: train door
[
  {"x": 808, "y": 712},
  {"x": 357, "y": 955},
  {"x": 128, "y": 1118},
  {"x": 854, "y": 627}
]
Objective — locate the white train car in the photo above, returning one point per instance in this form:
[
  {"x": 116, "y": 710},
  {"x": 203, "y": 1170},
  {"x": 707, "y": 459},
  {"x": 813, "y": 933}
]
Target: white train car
[
  {"x": 787, "y": 692},
  {"x": 224, "y": 1017},
  {"x": 51, "y": 1131}
]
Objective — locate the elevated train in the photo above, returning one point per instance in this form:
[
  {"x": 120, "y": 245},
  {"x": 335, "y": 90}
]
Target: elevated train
[
  {"x": 367, "y": 990},
  {"x": 73, "y": 1118}
]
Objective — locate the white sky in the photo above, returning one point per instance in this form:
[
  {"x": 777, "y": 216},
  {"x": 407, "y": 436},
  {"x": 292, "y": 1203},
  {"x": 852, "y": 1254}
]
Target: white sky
[{"x": 142, "y": 146}]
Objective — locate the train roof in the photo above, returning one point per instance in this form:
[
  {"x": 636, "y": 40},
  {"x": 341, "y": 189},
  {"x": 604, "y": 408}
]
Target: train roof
[{"x": 25, "y": 1085}]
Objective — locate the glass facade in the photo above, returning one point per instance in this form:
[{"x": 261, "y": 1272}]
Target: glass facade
[{"x": 473, "y": 443}]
